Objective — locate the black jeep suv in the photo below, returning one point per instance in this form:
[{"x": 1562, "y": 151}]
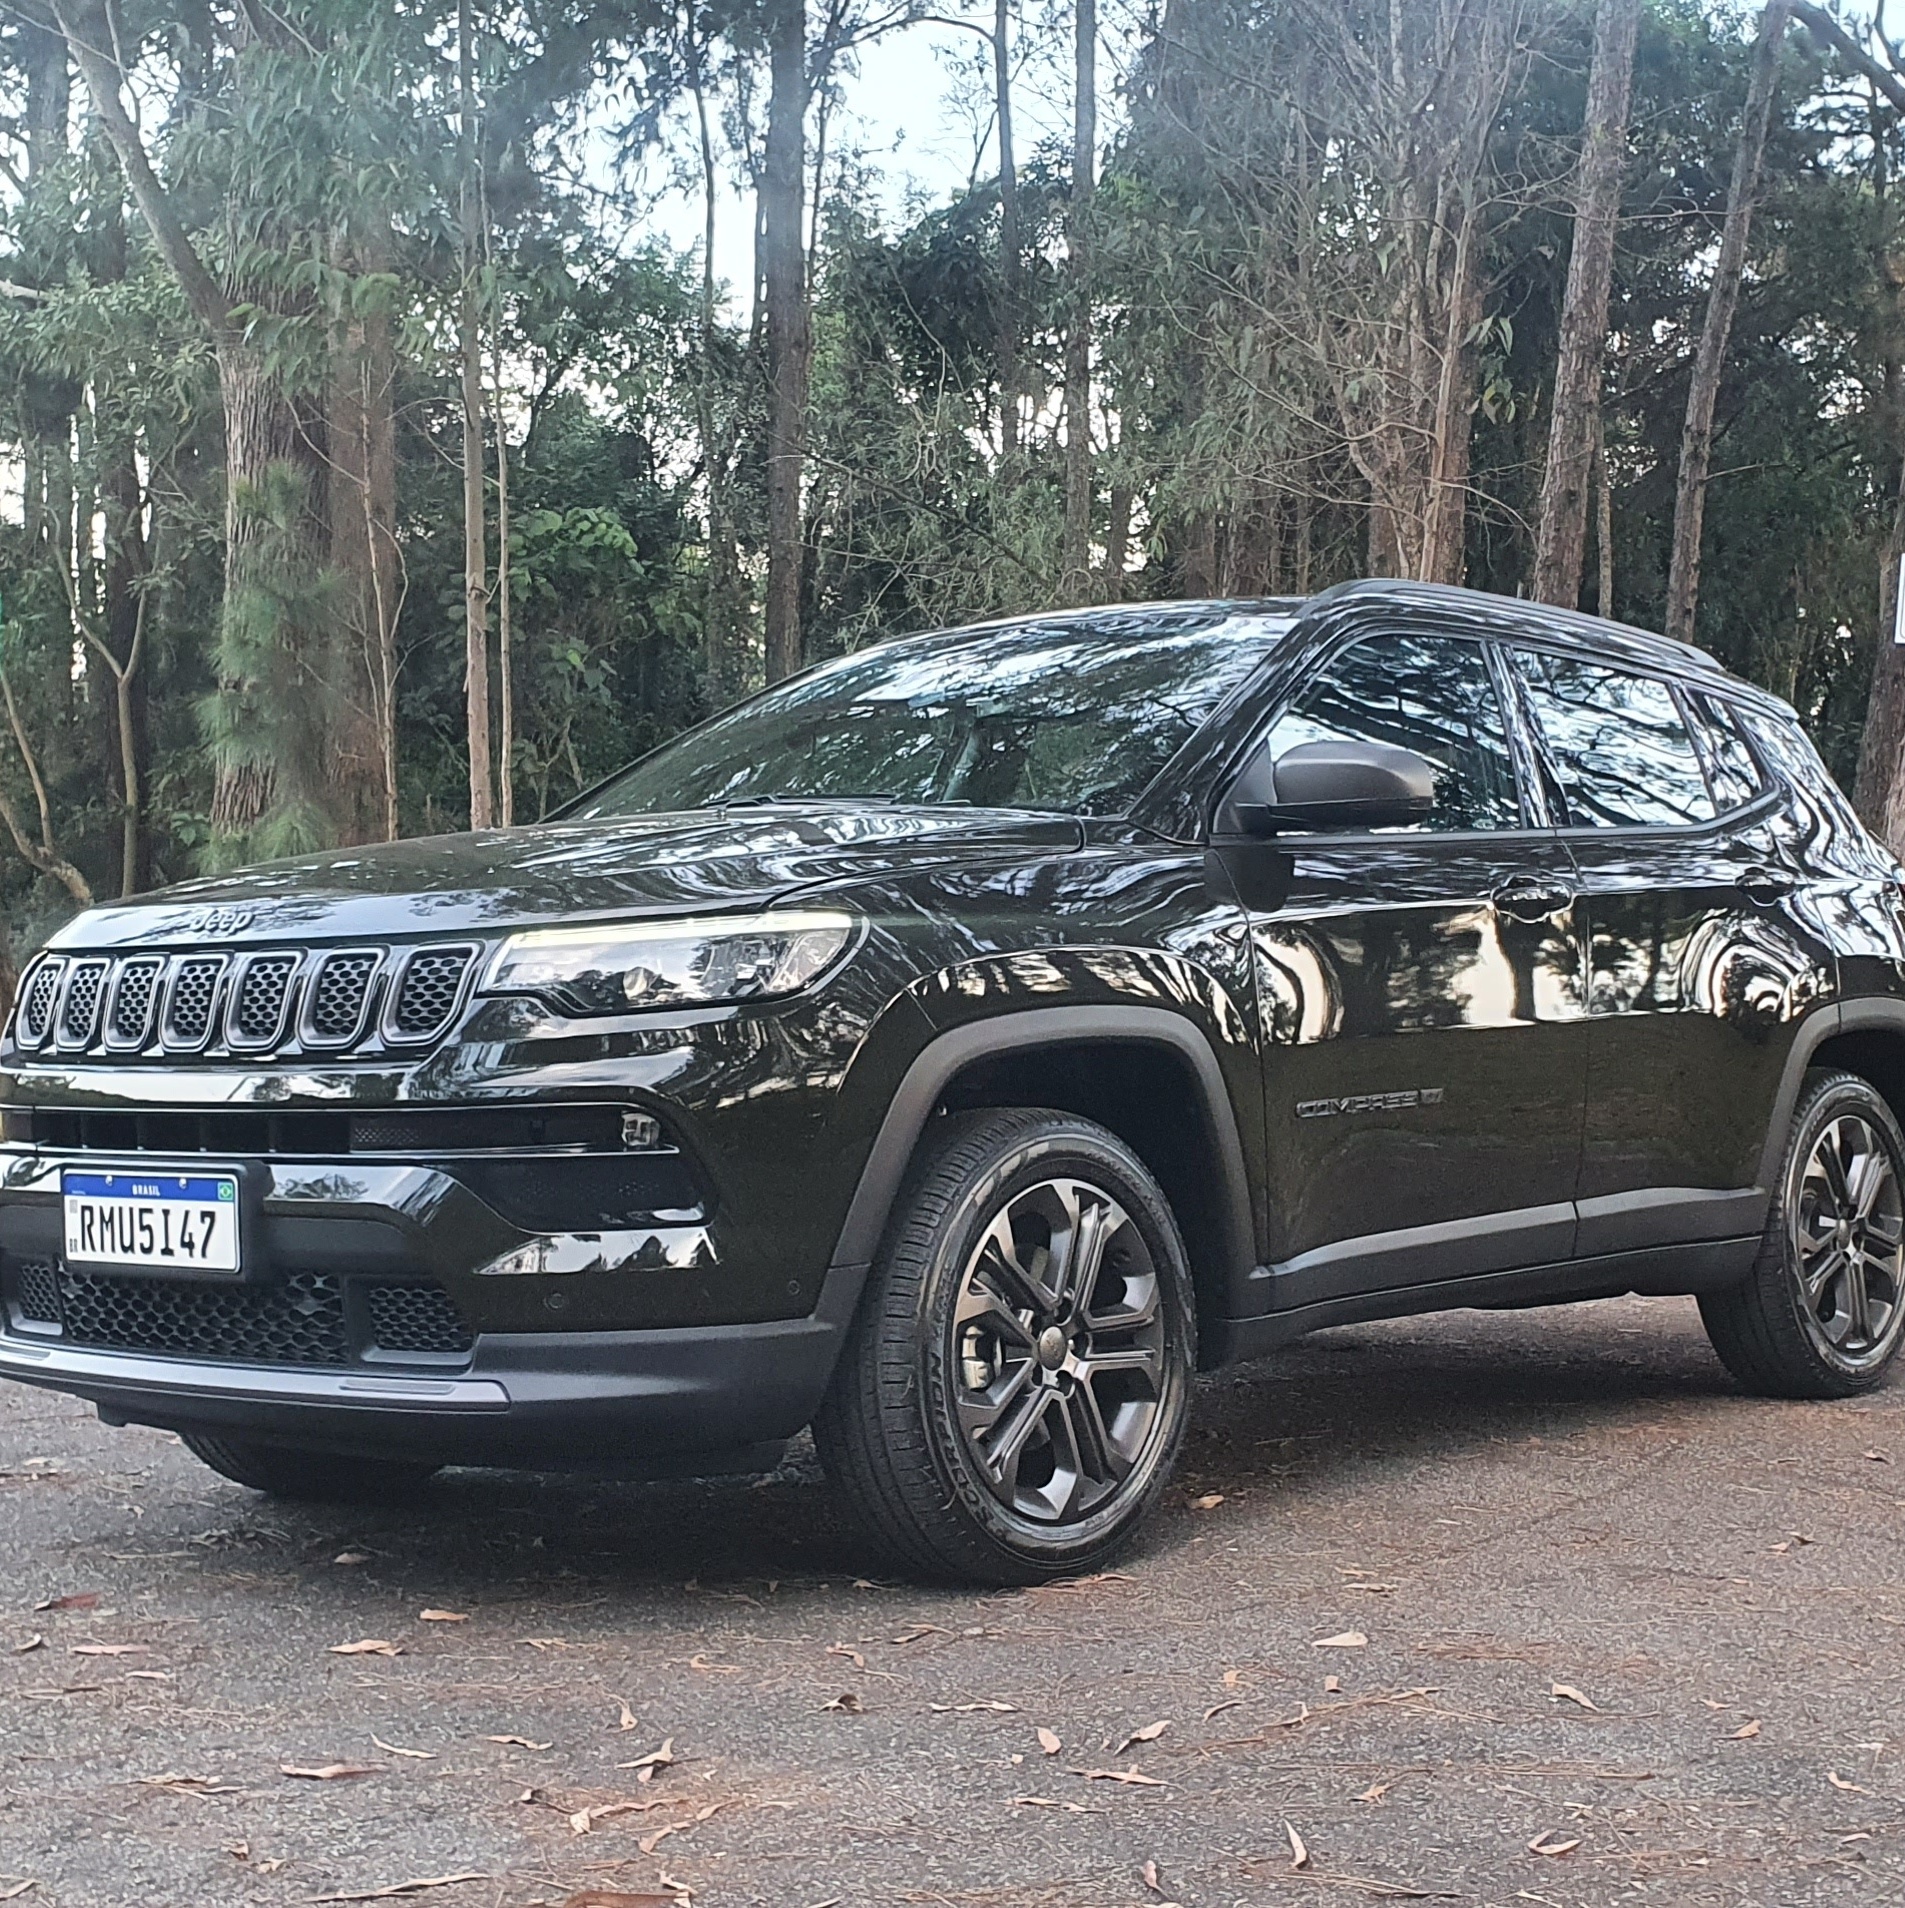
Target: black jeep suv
[{"x": 955, "y": 1046}]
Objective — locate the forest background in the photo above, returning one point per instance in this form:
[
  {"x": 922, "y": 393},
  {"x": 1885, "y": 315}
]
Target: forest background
[{"x": 382, "y": 451}]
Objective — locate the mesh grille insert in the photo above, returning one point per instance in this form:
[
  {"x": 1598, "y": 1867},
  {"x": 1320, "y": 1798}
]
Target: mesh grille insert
[
  {"x": 257, "y": 1013},
  {"x": 426, "y": 998},
  {"x": 79, "y": 1012},
  {"x": 130, "y": 1020},
  {"x": 36, "y": 1290},
  {"x": 36, "y": 1003},
  {"x": 339, "y": 993},
  {"x": 299, "y": 1321},
  {"x": 188, "y": 1008},
  {"x": 416, "y": 1318}
]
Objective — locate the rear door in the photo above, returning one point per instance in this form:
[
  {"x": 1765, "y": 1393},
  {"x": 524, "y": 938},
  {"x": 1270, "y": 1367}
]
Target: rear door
[
  {"x": 1423, "y": 997},
  {"x": 1698, "y": 965}
]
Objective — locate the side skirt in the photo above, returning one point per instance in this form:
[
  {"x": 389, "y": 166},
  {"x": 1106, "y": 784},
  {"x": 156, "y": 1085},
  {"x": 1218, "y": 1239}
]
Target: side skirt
[{"x": 1660, "y": 1271}]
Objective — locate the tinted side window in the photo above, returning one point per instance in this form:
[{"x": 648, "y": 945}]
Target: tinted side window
[
  {"x": 1428, "y": 693},
  {"x": 1732, "y": 772},
  {"x": 1621, "y": 752}
]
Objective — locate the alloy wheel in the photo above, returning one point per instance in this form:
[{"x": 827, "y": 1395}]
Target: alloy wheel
[
  {"x": 1848, "y": 1236},
  {"x": 1058, "y": 1352}
]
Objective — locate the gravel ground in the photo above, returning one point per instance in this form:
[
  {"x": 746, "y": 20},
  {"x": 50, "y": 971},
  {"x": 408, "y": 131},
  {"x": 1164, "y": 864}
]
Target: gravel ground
[{"x": 1605, "y": 1631}]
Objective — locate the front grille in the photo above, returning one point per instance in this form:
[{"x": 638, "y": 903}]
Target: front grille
[
  {"x": 427, "y": 993},
  {"x": 340, "y": 992},
  {"x": 415, "y": 1318},
  {"x": 156, "y": 1006},
  {"x": 302, "y": 1319},
  {"x": 260, "y": 999},
  {"x": 36, "y": 1001},
  {"x": 188, "y": 1006},
  {"x": 135, "y": 990},
  {"x": 79, "y": 1009}
]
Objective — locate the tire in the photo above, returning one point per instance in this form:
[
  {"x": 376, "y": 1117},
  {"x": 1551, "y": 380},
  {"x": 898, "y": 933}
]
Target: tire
[
  {"x": 1823, "y": 1312},
  {"x": 971, "y": 1344},
  {"x": 325, "y": 1477}
]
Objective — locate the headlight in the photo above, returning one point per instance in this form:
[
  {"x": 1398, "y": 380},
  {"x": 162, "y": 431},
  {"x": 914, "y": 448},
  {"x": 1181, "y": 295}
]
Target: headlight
[{"x": 609, "y": 970}]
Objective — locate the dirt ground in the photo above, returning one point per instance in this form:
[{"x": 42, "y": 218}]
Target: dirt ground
[{"x": 1485, "y": 1609}]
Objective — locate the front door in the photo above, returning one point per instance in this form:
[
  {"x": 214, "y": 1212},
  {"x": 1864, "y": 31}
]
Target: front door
[{"x": 1422, "y": 997}]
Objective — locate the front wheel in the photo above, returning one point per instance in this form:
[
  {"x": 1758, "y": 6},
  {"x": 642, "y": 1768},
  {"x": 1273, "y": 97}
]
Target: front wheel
[
  {"x": 325, "y": 1477},
  {"x": 1823, "y": 1311},
  {"x": 1018, "y": 1378}
]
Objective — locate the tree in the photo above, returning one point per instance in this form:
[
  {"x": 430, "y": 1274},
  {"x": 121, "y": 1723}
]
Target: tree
[
  {"x": 1703, "y": 389},
  {"x": 1075, "y": 555},
  {"x": 1575, "y": 411},
  {"x": 783, "y": 275}
]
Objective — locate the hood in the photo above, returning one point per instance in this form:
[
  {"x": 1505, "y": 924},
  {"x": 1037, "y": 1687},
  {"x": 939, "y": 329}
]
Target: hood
[{"x": 705, "y": 861}]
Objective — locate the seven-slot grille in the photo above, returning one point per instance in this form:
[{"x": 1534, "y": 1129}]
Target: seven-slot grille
[{"x": 277, "y": 998}]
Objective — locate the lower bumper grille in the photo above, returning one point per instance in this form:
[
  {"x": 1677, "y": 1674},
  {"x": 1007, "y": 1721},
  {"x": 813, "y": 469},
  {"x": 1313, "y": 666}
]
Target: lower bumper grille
[{"x": 306, "y": 1318}]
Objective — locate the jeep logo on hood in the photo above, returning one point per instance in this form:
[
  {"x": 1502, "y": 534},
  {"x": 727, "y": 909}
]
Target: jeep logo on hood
[{"x": 212, "y": 922}]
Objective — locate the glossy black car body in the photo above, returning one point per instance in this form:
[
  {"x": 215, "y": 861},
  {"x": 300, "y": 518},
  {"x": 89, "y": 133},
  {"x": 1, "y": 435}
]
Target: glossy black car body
[{"x": 1374, "y": 1072}]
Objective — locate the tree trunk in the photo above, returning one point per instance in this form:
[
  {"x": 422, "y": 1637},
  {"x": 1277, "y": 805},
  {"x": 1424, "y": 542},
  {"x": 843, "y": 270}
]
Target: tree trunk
[
  {"x": 365, "y": 557},
  {"x": 1007, "y": 345},
  {"x": 783, "y": 272},
  {"x": 1573, "y": 425},
  {"x": 1075, "y": 553},
  {"x": 1723, "y": 298},
  {"x": 1603, "y": 526},
  {"x": 505, "y": 633},
  {"x": 475, "y": 518},
  {"x": 1117, "y": 543}
]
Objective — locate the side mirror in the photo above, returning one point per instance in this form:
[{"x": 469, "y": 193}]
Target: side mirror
[{"x": 1324, "y": 785}]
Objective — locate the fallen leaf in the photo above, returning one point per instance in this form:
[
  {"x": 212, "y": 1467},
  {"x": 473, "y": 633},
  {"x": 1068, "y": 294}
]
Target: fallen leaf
[
  {"x": 655, "y": 1759},
  {"x": 1332, "y": 1686},
  {"x": 35, "y": 1642},
  {"x": 1839, "y": 1782},
  {"x": 1343, "y": 1640},
  {"x": 649, "y": 1843},
  {"x": 418, "y": 1886},
  {"x": 1374, "y": 1589},
  {"x": 109, "y": 1649},
  {"x": 331, "y": 1771},
  {"x": 1233, "y": 1677},
  {"x": 1217, "y": 1709},
  {"x": 628, "y": 1716},
  {"x": 346, "y": 1559},
  {"x": 1132, "y": 1776},
  {"x": 1374, "y": 1793},
  {"x": 442, "y": 1616},
  {"x": 1046, "y": 1802},
  {"x": 17, "y": 1890},
  {"x": 1209, "y": 1501},
  {"x": 1148, "y": 1874},
  {"x": 518, "y": 1742},
  {"x": 1541, "y": 1845},
  {"x": 414, "y": 1755},
  {"x": 1149, "y": 1733},
  {"x": 1748, "y": 1733},
  {"x": 700, "y": 1661},
  {"x": 1876, "y": 1457},
  {"x": 1049, "y": 1742},
  {"x": 366, "y": 1646},
  {"x": 609, "y": 1898},
  {"x": 1299, "y": 1852},
  {"x": 176, "y": 1784},
  {"x": 76, "y": 1600},
  {"x": 1567, "y": 1693},
  {"x": 847, "y": 1703},
  {"x": 853, "y": 1656},
  {"x": 543, "y": 1642},
  {"x": 968, "y": 1709}
]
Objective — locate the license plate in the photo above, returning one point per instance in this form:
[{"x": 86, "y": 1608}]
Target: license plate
[{"x": 175, "y": 1222}]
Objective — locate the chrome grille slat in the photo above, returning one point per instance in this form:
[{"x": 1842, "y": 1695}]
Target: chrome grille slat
[
  {"x": 36, "y": 1001},
  {"x": 79, "y": 1004},
  {"x": 154, "y": 1006}
]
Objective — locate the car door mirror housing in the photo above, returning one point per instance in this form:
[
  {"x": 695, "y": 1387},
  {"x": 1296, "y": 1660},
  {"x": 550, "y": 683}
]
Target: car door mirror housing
[{"x": 1318, "y": 786}]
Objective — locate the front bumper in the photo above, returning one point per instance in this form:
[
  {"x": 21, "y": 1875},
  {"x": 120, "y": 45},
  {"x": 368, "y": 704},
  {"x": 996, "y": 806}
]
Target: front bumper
[{"x": 699, "y": 1397}]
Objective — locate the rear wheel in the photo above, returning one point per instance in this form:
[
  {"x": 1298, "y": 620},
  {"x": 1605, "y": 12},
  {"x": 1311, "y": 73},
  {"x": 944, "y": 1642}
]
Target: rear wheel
[
  {"x": 1823, "y": 1313},
  {"x": 282, "y": 1470},
  {"x": 1016, "y": 1386}
]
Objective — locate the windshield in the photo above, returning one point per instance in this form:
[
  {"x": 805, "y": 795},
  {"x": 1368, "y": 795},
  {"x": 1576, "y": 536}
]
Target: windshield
[{"x": 1076, "y": 714}]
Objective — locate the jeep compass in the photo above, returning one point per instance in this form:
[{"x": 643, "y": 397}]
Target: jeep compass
[{"x": 957, "y": 1046}]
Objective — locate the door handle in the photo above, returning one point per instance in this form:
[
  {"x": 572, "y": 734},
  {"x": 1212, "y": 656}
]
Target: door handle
[
  {"x": 1530, "y": 898},
  {"x": 1765, "y": 885}
]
